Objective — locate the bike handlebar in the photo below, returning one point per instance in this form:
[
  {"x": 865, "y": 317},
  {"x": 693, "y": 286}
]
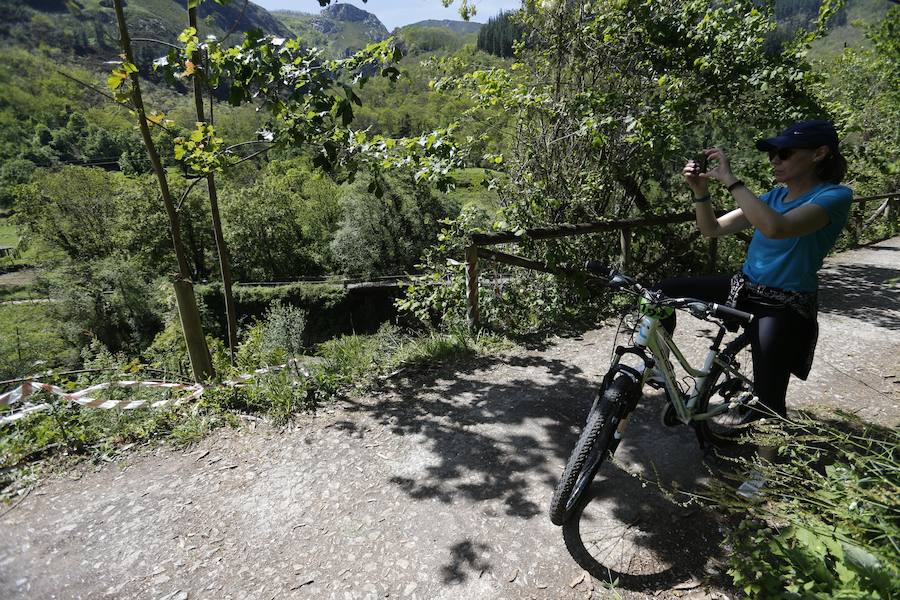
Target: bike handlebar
[{"x": 699, "y": 308}]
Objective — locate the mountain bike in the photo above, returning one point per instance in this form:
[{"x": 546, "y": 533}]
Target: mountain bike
[{"x": 716, "y": 404}]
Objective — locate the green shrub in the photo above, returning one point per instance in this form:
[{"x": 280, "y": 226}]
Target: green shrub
[
  {"x": 168, "y": 351},
  {"x": 326, "y": 305},
  {"x": 829, "y": 527},
  {"x": 510, "y": 299},
  {"x": 331, "y": 309},
  {"x": 348, "y": 359},
  {"x": 281, "y": 395},
  {"x": 252, "y": 352},
  {"x": 285, "y": 329}
]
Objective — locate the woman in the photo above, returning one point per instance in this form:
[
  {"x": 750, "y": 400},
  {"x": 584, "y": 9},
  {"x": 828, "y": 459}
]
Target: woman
[{"x": 797, "y": 223}]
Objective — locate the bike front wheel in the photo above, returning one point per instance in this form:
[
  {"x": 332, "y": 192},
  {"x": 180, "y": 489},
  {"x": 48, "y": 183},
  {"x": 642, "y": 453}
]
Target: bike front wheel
[{"x": 597, "y": 441}]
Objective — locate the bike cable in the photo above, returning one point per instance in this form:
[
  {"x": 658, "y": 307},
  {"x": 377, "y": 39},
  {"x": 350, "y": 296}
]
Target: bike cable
[{"x": 616, "y": 338}]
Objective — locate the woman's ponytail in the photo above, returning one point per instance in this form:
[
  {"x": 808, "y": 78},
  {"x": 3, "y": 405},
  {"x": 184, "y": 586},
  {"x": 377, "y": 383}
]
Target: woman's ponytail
[{"x": 833, "y": 168}]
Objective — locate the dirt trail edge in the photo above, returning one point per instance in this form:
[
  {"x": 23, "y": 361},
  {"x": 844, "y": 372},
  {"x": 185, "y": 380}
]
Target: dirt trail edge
[{"x": 434, "y": 488}]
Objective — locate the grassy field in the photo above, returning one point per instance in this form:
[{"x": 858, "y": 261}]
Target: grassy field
[
  {"x": 28, "y": 335},
  {"x": 470, "y": 192},
  {"x": 9, "y": 236},
  {"x": 18, "y": 283},
  {"x": 18, "y": 291}
]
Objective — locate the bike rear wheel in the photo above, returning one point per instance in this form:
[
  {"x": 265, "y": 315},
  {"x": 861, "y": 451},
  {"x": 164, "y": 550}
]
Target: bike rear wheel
[
  {"x": 725, "y": 390},
  {"x": 597, "y": 441}
]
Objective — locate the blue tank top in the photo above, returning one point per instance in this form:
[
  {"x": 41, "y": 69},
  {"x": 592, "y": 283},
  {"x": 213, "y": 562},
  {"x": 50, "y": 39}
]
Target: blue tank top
[{"x": 792, "y": 263}]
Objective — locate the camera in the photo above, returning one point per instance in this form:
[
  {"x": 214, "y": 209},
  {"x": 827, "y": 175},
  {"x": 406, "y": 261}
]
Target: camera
[{"x": 700, "y": 162}]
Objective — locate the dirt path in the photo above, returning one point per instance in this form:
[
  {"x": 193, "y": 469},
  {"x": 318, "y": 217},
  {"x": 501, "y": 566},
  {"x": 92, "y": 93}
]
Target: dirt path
[{"x": 434, "y": 488}]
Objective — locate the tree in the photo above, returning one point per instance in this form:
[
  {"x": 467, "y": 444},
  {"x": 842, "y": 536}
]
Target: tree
[
  {"x": 499, "y": 35},
  {"x": 611, "y": 97},
  {"x": 125, "y": 76},
  {"x": 387, "y": 235},
  {"x": 862, "y": 89},
  {"x": 200, "y": 83},
  {"x": 107, "y": 240}
]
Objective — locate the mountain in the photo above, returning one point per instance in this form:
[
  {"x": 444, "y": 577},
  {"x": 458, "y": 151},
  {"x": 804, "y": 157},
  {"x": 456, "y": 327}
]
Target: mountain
[
  {"x": 339, "y": 29},
  {"x": 88, "y": 27},
  {"x": 435, "y": 35},
  {"x": 460, "y": 27}
]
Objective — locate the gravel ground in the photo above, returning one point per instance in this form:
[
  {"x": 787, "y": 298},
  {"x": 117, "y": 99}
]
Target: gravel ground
[{"x": 435, "y": 486}]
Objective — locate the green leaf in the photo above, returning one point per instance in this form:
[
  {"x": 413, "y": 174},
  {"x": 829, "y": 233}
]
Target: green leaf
[
  {"x": 114, "y": 81},
  {"x": 186, "y": 35},
  {"x": 345, "y": 111}
]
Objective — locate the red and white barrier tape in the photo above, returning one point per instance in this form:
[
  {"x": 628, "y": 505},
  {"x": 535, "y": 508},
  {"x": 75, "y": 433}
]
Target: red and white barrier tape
[{"x": 84, "y": 398}]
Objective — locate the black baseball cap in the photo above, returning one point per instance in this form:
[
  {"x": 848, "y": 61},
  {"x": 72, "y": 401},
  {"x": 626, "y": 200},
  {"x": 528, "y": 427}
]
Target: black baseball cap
[{"x": 805, "y": 134}]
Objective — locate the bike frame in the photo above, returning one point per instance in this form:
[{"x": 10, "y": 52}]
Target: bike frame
[{"x": 660, "y": 345}]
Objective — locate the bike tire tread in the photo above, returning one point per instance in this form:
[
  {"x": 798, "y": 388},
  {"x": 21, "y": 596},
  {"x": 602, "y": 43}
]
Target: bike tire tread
[{"x": 607, "y": 413}]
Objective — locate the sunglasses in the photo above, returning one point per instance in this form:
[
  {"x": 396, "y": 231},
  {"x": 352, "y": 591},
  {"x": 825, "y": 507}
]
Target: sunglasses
[{"x": 782, "y": 153}]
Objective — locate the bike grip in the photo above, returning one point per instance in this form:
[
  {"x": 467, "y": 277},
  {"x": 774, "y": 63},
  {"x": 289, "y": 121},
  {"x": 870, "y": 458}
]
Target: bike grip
[
  {"x": 727, "y": 311},
  {"x": 596, "y": 267}
]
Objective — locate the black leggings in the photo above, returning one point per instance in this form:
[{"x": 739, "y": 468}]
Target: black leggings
[{"x": 778, "y": 335}]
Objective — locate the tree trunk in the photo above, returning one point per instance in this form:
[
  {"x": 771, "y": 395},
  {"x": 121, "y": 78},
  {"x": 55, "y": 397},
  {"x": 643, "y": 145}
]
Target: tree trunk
[
  {"x": 201, "y": 364},
  {"x": 221, "y": 250}
]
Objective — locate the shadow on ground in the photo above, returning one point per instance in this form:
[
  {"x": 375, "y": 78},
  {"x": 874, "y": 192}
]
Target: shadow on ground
[
  {"x": 864, "y": 292},
  {"x": 500, "y": 429}
]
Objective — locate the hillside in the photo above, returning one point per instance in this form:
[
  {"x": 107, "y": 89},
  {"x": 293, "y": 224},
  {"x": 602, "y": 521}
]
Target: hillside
[
  {"x": 846, "y": 28},
  {"x": 460, "y": 27},
  {"x": 851, "y": 31},
  {"x": 339, "y": 29},
  {"x": 88, "y": 27}
]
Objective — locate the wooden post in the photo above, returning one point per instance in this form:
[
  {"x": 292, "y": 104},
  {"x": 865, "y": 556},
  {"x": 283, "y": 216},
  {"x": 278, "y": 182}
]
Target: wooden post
[
  {"x": 890, "y": 214},
  {"x": 472, "y": 288},
  {"x": 858, "y": 225},
  {"x": 198, "y": 351},
  {"x": 625, "y": 246}
]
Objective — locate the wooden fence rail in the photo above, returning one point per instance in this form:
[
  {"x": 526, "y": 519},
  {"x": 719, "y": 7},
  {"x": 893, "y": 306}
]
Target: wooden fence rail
[{"x": 477, "y": 241}]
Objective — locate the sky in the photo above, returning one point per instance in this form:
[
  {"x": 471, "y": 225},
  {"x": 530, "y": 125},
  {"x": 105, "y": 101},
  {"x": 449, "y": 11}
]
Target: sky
[{"x": 396, "y": 13}]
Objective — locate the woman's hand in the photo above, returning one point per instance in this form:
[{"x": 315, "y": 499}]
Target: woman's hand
[
  {"x": 691, "y": 173},
  {"x": 721, "y": 172}
]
